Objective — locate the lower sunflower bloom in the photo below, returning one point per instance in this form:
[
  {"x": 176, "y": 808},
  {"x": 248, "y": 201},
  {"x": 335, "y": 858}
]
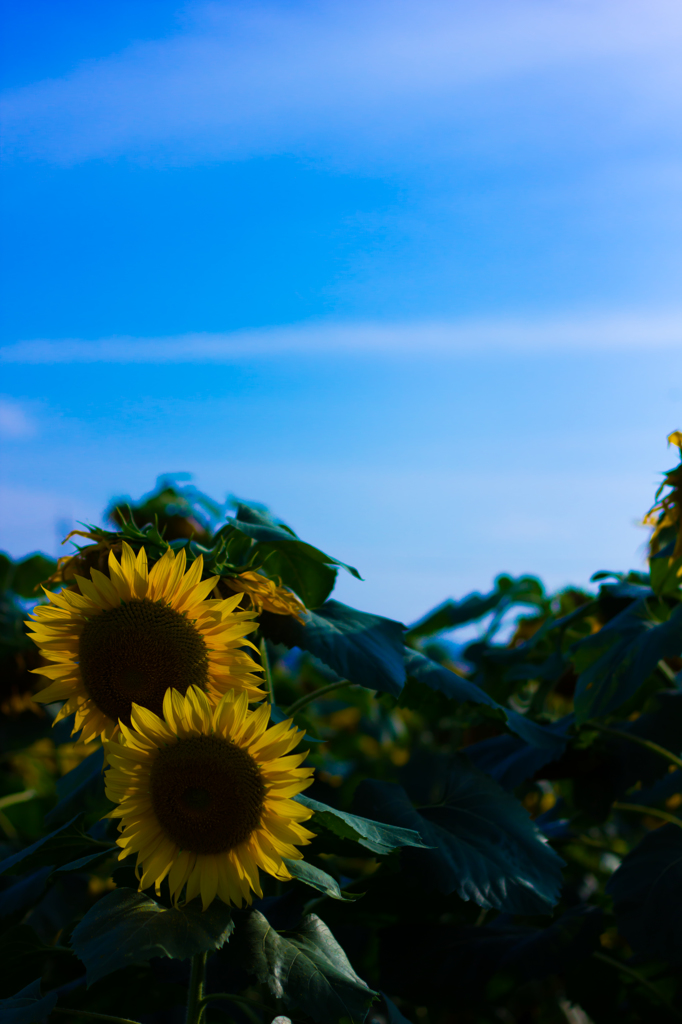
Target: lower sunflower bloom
[
  {"x": 205, "y": 796},
  {"x": 131, "y": 635}
]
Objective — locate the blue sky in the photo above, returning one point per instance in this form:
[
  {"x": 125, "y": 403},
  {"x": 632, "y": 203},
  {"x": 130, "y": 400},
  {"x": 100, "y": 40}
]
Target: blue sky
[{"x": 407, "y": 272}]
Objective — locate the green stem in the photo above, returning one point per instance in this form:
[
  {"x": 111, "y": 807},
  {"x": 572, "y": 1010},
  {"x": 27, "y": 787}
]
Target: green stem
[
  {"x": 265, "y": 661},
  {"x": 653, "y": 811},
  {"x": 626, "y": 969},
  {"x": 649, "y": 744},
  {"x": 310, "y": 697},
  {"x": 16, "y": 798},
  {"x": 195, "y": 993},
  {"x": 94, "y": 1016},
  {"x": 243, "y": 1004}
]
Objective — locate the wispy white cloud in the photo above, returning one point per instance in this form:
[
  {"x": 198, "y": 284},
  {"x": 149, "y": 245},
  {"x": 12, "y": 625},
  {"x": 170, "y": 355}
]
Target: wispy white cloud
[
  {"x": 618, "y": 332},
  {"x": 15, "y": 421},
  {"x": 350, "y": 76}
]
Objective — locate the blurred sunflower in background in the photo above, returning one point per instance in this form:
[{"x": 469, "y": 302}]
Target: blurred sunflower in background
[
  {"x": 205, "y": 796},
  {"x": 129, "y": 636}
]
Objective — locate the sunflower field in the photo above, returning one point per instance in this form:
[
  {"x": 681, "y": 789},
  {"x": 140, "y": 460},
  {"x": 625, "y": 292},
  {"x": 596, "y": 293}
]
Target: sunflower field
[{"x": 227, "y": 796}]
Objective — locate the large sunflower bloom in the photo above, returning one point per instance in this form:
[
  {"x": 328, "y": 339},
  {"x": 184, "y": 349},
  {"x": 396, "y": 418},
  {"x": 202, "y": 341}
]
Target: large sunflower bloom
[
  {"x": 130, "y": 635},
  {"x": 205, "y": 796}
]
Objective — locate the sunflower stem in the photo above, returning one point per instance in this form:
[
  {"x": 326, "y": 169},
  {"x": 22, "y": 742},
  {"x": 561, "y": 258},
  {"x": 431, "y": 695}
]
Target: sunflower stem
[
  {"x": 653, "y": 812},
  {"x": 244, "y": 1005},
  {"x": 640, "y": 741},
  {"x": 265, "y": 661},
  {"x": 195, "y": 994},
  {"x": 310, "y": 697},
  {"x": 94, "y": 1016}
]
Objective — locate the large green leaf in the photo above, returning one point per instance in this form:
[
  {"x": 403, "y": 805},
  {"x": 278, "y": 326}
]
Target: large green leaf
[
  {"x": 373, "y": 835},
  {"x": 126, "y": 927},
  {"x": 306, "y": 969},
  {"x": 367, "y": 649},
  {"x": 485, "y": 846},
  {"x": 647, "y": 894},
  {"x": 617, "y": 660}
]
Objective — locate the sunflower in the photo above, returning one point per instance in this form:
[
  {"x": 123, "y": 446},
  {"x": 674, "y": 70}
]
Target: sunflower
[
  {"x": 266, "y": 595},
  {"x": 205, "y": 796},
  {"x": 130, "y": 635}
]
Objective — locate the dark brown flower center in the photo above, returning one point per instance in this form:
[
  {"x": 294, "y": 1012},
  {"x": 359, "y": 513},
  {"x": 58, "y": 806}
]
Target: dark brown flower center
[
  {"x": 207, "y": 793},
  {"x": 135, "y": 652}
]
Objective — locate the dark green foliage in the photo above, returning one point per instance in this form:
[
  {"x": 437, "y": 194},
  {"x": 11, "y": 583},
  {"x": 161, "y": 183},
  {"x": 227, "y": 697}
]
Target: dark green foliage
[
  {"x": 373, "y": 835},
  {"x": 647, "y": 894},
  {"x": 489, "y": 839},
  {"x": 367, "y": 649},
  {"x": 306, "y": 969},
  {"x": 615, "y": 662},
  {"x": 316, "y": 878},
  {"x": 484, "y": 846},
  {"x": 125, "y": 927}
]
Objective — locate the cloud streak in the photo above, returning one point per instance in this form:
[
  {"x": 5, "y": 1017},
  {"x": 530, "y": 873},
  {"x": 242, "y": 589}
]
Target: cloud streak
[
  {"x": 356, "y": 77},
  {"x": 618, "y": 332}
]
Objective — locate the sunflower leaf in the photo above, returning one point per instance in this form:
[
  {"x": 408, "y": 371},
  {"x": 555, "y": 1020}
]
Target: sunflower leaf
[
  {"x": 306, "y": 969},
  {"x": 318, "y": 879},
  {"x": 373, "y": 835},
  {"x": 483, "y": 845},
  {"x": 366, "y": 649},
  {"x": 127, "y": 927}
]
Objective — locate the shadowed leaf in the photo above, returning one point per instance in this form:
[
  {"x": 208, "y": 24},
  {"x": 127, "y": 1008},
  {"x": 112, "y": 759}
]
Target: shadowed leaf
[
  {"x": 305, "y": 969},
  {"x": 126, "y": 927}
]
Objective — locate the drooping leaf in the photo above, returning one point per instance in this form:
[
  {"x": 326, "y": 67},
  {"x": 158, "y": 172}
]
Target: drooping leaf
[
  {"x": 306, "y": 969},
  {"x": 24, "y": 892},
  {"x": 126, "y": 927},
  {"x": 485, "y": 847},
  {"x": 510, "y": 761},
  {"x": 647, "y": 890},
  {"x": 29, "y": 1006},
  {"x": 318, "y": 879},
  {"x": 39, "y": 852},
  {"x": 617, "y": 660},
  {"x": 366, "y": 649},
  {"x": 373, "y": 835},
  {"x": 456, "y": 687}
]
